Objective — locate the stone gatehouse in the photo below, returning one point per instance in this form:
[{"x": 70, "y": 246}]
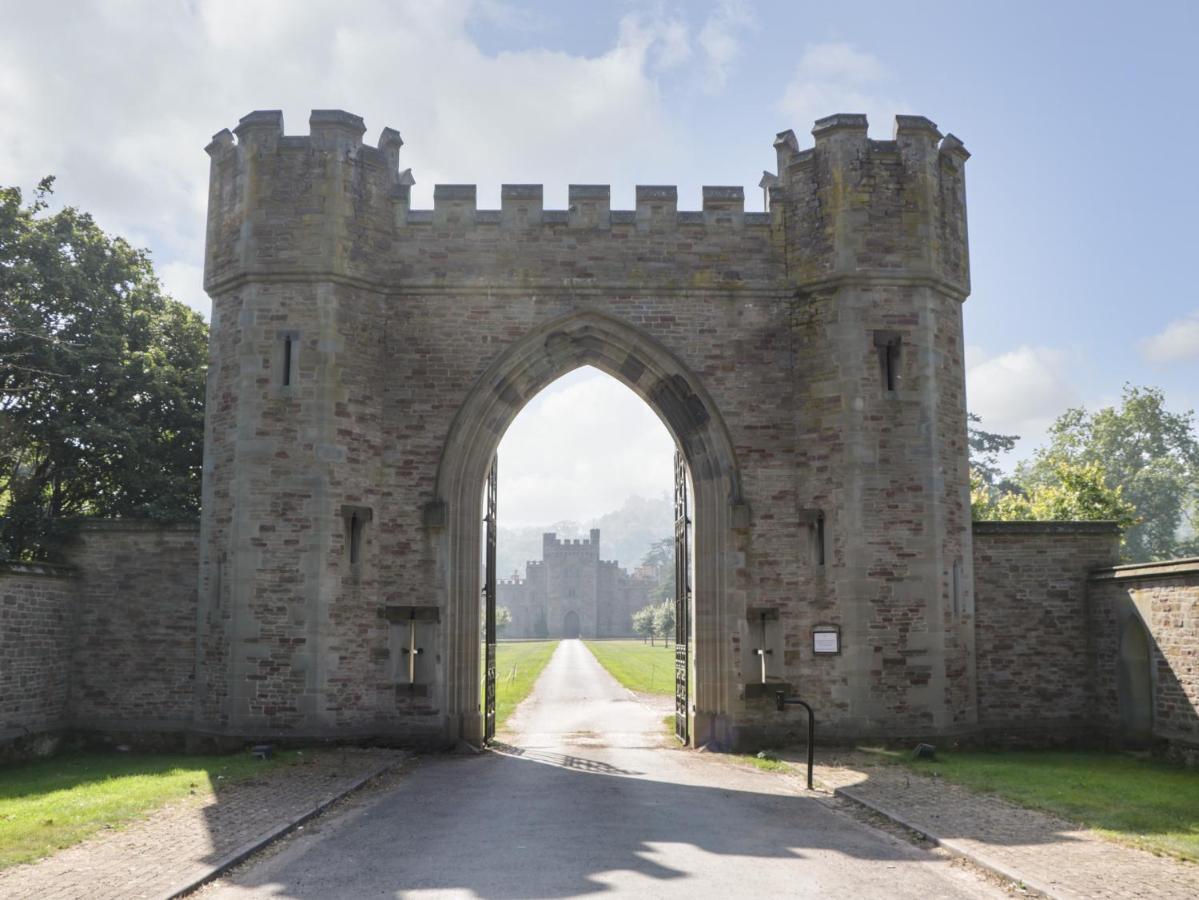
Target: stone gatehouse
[
  {"x": 571, "y": 592},
  {"x": 366, "y": 358}
]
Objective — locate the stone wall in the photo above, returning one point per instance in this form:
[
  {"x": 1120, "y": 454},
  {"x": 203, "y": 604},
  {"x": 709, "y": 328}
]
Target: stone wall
[
  {"x": 106, "y": 643},
  {"x": 1033, "y": 629},
  {"x": 1163, "y": 598},
  {"x": 36, "y": 602},
  {"x": 135, "y": 626}
]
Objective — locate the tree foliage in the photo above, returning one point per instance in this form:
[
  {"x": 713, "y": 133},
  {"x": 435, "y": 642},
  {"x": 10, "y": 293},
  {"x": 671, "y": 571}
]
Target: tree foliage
[
  {"x": 664, "y": 620},
  {"x": 503, "y": 618},
  {"x": 643, "y": 623},
  {"x": 985, "y": 449},
  {"x": 101, "y": 380},
  {"x": 1149, "y": 452},
  {"x": 660, "y": 558},
  {"x": 1136, "y": 463},
  {"x": 1078, "y": 492}
]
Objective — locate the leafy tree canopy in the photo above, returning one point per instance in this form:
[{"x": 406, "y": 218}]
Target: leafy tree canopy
[
  {"x": 643, "y": 622},
  {"x": 664, "y": 620},
  {"x": 101, "y": 380},
  {"x": 1136, "y": 463},
  {"x": 985, "y": 449},
  {"x": 1078, "y": 492},
  {"x": 661, "y": 559}
]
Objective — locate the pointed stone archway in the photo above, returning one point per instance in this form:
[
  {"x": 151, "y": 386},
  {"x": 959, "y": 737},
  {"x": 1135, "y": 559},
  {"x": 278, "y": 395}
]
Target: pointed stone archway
[
  {"x": 570, "y": 625},
  {"x": 688, "y": 412}
]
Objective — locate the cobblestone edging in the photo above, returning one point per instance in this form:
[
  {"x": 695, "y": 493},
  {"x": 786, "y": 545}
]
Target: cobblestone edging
[
  {"x": 252, "y": 846},
  {"x": 1039, "y": 851},
  {"x": 180, "y": 847}
]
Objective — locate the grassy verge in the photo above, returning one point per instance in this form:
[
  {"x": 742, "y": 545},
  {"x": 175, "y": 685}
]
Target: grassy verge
[
  {"x": 50, "y": 804},
  {"x": 1144, "y": 802},
  {"x": 765, "y": 763},
  {"x": 638, "y": 666},
  {"x": 517, "y": 666}
]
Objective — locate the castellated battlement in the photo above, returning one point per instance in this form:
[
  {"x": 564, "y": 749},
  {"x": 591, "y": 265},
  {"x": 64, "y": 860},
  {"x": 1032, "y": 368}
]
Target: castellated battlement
[
  {"x": 854, "y": 204},
  {"x": 327, "y": 204},
  {"x": 551, "y": 544},
  {"x": 589, "y": 206}
]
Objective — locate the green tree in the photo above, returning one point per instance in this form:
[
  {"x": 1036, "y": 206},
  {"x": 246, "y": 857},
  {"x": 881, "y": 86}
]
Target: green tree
[
  {"x": 503, "y": 618},
  {"x": 660, "y": 558},
  {"x": 1148, "y": 452},
  {"x": 643, "y": 623},
  {"x": 1077, "y": 492},
  {"x": 101, "y": 380},
  {"x": 985, "y": 450},
  {"x": 660, "y": 555},
  {"x": 663, "y": 618}
]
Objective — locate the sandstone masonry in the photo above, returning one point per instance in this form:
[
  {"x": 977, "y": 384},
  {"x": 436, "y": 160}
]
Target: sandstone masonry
[{"x": 105, "y": 644}]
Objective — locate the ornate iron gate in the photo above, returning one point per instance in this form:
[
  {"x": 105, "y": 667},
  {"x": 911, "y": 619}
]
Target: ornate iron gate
[
  {"x": 489, "y": 607},
  {"x": 682, "y": 597}
]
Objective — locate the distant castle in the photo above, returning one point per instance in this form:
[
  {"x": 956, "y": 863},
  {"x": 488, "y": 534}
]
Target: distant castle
[{"x": 571, "y": 592}]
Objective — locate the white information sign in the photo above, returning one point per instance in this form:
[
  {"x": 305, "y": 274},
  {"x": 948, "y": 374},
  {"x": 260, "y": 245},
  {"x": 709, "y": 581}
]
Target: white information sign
[{"x": 826, "y": 642}]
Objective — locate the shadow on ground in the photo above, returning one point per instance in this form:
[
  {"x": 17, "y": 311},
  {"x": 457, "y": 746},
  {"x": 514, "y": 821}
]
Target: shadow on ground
[{"x": 521, "y": 822}]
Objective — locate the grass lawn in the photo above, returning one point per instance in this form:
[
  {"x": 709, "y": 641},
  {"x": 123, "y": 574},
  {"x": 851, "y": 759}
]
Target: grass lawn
[
  {"x": 636, "y": 665},
  {"x": 1145, "y": 802},
  {"x": 50, "y": 804},
  {"x": 517, "y": 666}
]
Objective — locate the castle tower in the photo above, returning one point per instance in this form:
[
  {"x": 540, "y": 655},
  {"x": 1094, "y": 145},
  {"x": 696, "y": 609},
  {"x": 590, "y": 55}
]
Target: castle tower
[
  {"x": 293, "y": 448},
  {"x": 876, "y": 248}
]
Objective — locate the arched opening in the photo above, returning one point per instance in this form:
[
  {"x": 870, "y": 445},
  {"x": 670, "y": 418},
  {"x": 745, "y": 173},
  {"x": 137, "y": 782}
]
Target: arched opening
[
  {"x": 689, "y": 414},
  {"x": 570, "y": 625},
  {"x": 1135, "y": 682}
]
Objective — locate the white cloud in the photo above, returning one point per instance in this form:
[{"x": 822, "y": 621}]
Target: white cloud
[
  {"x": 1176, "y": 342},
  {"x": 185, "y": 282},
  {"x": 1020, "y": 392},
  {"x": 837, "y": 77},
  {"x": 121, "y": 102},
  {"x": 579, "y": 449},
  {"x": 720, "y": 40}
]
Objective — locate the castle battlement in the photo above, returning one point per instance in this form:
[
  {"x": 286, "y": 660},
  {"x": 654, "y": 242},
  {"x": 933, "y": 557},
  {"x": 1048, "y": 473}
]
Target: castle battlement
[
  {"x": 589, "y": 206},
  {"x": 847, "y": 196},
  {"x": 850, "y": 191}
]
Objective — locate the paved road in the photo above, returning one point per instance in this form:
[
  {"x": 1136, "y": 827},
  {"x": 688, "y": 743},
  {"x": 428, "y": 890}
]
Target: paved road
[{"x": 588, "y": 794}]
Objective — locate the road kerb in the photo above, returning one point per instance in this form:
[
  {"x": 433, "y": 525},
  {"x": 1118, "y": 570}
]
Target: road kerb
[
  {"x": 949, "y": 844},
  {"x": 248, "y": 849}
]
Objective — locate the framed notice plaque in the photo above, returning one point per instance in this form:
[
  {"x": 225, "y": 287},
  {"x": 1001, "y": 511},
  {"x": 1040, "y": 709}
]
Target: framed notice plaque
[{"x": 826, "y": 640}]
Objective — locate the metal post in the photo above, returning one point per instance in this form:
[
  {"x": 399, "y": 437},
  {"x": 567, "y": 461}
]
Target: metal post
[{"x": 782, "y": 701}]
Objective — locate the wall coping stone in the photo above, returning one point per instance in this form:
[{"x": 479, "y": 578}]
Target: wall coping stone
[
  {"x": 138, "y": 525},
  {"x": 1001, "y": 528},
  {"x": 48, "y": 570},
  {"x": 1166, "y": 568}
]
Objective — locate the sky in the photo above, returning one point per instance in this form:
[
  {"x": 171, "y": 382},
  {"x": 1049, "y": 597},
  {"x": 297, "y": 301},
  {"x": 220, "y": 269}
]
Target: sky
[{"x": 1081, "y": 119}]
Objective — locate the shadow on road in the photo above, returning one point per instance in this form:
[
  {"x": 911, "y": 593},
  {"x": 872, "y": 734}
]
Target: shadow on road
[{"x": 518, "y": 823}]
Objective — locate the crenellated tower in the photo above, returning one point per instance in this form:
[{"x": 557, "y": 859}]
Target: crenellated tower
[
  {"x": 874, "y": 234},
  {"x": 294, "y": 451}
]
